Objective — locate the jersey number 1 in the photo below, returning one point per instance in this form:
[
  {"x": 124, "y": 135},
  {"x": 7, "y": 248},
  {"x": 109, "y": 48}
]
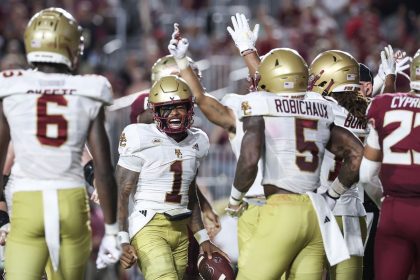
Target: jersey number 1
[
  {"x": 44, "y": 120},
  {"x": 174, "y": 196}
]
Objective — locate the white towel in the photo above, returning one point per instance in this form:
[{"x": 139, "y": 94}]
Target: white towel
[
  {"x": 52, "y": 225},
  {"x": 334, "y": 244},
  {"x": 353, "y": 235}
]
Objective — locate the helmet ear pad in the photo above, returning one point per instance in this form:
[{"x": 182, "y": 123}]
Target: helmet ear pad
[
  {"x": 53, "y": 36},
  {"x": 171, "y": 91}
]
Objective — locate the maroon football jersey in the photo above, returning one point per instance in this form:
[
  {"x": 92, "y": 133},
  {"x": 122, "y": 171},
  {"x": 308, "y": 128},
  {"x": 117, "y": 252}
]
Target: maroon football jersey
[{"x": 396, "y": 117}]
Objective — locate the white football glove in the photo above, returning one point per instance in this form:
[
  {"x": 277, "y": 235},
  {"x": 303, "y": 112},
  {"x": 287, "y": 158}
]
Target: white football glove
[
  {"x": 178, "y": 46},
  {"x": 241, "y": 34},
  {"x": 388, "y": 63},
  {"x": 109, "y": 251}
]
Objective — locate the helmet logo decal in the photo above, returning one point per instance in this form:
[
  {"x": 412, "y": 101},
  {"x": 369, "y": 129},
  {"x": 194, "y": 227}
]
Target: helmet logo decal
[{"x": 351, "y": 77}]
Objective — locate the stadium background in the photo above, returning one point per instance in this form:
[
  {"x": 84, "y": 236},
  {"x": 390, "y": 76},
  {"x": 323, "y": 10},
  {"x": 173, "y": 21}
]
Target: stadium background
[{"x": 123, "y": 38}]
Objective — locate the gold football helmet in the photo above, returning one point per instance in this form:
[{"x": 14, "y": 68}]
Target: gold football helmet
[
  {"x": 283, "y": 70},
  {"x": 333, "y": 71},
  {"x": 166, "y": 94},
  {"x": 415, "y": 72},
  {"x": 166, "y": 65},
  {"x": 53, "y": 36}
]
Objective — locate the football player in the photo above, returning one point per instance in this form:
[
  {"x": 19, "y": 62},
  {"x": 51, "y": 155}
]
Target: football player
[
  {"x": 391, "y": 152},
  {"x": 160, "y": 162},
  {"x": 48, "y": 113},
  {"x": 335, "y": 75},
  {"x": 289, "y": 129},
  {"x": 225, "y": 114},
  {"x": 141, "y": 113}
]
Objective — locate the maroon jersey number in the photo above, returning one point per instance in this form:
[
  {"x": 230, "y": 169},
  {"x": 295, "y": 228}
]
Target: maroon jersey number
[
  {"x": 393, "y": 150},
  {"x": 54, "y": 122},
  {"x": 174, "y": 196},
  {"x": 303, "y": 145}
]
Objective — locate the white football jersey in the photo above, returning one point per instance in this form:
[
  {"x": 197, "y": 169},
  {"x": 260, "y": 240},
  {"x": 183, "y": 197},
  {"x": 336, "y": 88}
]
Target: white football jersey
[
  {"x": 296, "y": 133},
  {"x": 350, "y": 203},
  {"x": 233, "y": 101},
  {"x": 49, "y": 116},
  {"x": 167, "y": 168}
]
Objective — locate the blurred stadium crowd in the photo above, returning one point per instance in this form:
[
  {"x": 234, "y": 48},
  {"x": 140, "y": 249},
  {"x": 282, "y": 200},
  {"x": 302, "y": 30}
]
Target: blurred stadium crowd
[{"x": 124, "y": 38}]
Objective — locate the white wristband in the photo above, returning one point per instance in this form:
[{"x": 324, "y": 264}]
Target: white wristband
[
  {"x": 123, "y": 237},
  {"x": 236, "y": 196},
  {"x": 337, "y": 187},
  {"x": 182, "y": 63},
  {"x": 111, "y": 229},
  {"x": 201, "y": 236}
]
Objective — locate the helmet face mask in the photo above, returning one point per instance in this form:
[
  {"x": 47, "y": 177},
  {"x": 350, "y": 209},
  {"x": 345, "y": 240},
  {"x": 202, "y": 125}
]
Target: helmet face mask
[
  {"x": 415, "y": 72},
  {"x": 282, "y": 70},
  {"x": 167, "y": 94},
  {"x": 53, "y": 36},
  {"x": 334, "y": 71}
]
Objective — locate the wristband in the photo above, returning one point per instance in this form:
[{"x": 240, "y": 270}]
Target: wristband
[
  {"x": 182, "y": 63},
  {"x": 248, "y": 51},
  {"x": 123, "y": 237},
  {"x": 201, "y": 236},
  {"x": 337, "y": 187},
  {"x": 236, "y": 196},
  {"x": 111, "y": 229}
]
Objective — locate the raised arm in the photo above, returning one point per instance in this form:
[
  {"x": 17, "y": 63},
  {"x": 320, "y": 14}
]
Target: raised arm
[
  {"x": 245, "y": 40},
  {"x": 216, "y": 112}
]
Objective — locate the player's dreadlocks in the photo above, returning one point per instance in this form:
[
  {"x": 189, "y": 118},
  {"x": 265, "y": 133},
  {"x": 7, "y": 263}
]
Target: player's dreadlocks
[{"x": 352, "y": 101}]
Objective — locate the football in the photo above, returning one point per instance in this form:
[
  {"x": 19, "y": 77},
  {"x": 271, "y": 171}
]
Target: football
[{"x": 216, "y": 268}]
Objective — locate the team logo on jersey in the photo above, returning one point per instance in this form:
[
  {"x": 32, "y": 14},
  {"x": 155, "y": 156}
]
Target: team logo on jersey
[
  {"x": 246, "y": 108},
  {"x": 123, "y": 140},
  {"x": 195, "y": 147},
  {"x": 178, "y": 153}
]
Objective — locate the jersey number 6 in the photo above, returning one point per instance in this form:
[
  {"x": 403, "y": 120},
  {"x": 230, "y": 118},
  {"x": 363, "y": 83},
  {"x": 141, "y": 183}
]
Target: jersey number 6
[{"x": 44, "y": 121}]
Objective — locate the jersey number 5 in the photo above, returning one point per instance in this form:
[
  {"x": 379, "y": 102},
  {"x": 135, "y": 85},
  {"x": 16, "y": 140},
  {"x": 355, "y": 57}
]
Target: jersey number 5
[
  {"x": 45, "y": 120},
  {"x": 304, "y": 145},
  {"x": 395, "y": 151}
]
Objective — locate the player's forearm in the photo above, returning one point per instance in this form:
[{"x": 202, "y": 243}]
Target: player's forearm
[
  {"x": 217, "y": 113},
  {"x": 204, "y": 203},
  {"x": 252, "y": 61},
  {"x": 349, "y": 172},
  {"x": 107, "y": 192},
  {"x": 390, "y": 84},
  {"x": 127, "y": 181},
  {"x": 251, "y": 148},
  {"x": 196, "y": 222}
]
